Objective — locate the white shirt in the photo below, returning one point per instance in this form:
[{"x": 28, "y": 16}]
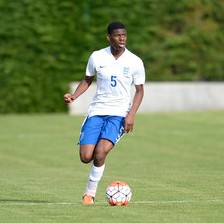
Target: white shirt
[{"x": 114, "y": 80}]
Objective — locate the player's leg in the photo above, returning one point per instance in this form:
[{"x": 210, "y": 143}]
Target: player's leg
[
  {"x": 89, "y": 136},
  {"x": 102, "y": 149},
  {"x": 86, "y": 152},
  {"x": 112, "y": 131}
]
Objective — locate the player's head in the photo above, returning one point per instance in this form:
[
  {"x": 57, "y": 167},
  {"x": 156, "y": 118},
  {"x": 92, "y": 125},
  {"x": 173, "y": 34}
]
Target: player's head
[
  {"x": 117, "y": 35},
  {"x": 115, "y": 25}
]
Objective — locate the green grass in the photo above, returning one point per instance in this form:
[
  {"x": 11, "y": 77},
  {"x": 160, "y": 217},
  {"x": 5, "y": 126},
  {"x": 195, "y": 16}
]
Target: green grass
[{"x": 174, "y": 163}]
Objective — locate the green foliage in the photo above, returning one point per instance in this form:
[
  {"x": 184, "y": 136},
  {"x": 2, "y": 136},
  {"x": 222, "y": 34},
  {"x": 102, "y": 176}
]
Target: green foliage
[{"x": 45, "y": 44}]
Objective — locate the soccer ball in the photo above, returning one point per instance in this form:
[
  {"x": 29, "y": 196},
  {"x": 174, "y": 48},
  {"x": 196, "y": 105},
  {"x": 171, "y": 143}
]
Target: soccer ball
[{"x": 118, "y": 193}]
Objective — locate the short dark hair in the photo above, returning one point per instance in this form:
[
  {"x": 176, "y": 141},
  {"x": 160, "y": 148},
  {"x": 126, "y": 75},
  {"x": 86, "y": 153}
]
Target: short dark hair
[{"x": 115, "y": 25}]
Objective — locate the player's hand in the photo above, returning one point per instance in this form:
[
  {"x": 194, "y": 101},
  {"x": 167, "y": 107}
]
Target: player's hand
[
  {"x": 68, "y": 98},
  {"x": 129, "y": 124}
]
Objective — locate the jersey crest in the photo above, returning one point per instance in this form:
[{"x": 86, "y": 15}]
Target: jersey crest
[{"x": 125, "y": 70}]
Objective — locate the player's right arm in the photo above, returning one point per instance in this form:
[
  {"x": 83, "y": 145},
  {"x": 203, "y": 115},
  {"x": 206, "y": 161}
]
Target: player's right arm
[{"x": 82, "y": 87}]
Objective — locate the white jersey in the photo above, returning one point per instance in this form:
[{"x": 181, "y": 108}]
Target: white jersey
[{"x": 114, "y": 80}]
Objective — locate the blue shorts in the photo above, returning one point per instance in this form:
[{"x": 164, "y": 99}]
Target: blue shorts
[{"x": 97, "y": 127}]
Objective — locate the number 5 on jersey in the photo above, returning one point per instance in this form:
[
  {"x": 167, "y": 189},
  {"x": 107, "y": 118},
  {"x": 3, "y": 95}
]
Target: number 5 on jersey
[{"x": 113, "y": 81}]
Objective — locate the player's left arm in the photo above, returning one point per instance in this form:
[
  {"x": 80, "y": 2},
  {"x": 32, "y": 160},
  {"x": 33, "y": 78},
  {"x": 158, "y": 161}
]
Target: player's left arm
[{"x": 130, "y": 118}]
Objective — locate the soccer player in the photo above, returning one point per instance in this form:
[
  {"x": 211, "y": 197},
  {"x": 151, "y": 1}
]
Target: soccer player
[{"x": 111, "y": 113}]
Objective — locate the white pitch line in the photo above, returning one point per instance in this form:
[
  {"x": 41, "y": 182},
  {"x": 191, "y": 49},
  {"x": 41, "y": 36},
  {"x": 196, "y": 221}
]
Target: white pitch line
[{"x": 9, "y": 203}]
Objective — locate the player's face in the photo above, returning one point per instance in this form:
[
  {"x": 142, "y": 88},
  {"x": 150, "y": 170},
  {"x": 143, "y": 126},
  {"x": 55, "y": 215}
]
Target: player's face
[{"x": 118, "y": 39}]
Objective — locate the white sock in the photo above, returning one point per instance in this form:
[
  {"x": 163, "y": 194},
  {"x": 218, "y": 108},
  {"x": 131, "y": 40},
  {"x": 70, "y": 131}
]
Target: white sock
[{"x": 94, "y": 177}]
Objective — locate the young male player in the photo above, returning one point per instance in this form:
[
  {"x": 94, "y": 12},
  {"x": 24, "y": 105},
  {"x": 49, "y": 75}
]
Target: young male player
[{"x": 111, "y": 113}]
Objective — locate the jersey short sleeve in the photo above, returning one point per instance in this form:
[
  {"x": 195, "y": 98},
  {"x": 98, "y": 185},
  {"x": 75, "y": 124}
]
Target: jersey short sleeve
[
  {"x": 138, "y": 70},
  {"x": 91, "y": 67}
]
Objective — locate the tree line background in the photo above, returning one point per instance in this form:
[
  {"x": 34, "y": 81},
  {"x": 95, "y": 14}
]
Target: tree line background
[{"x": 45, "y": 44}]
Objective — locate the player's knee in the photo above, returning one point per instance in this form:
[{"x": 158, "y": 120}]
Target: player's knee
[
  {"x": 100, "y": 157},
  {"x": 86, "y": 153},
  {"x": 85, "y": 159}
]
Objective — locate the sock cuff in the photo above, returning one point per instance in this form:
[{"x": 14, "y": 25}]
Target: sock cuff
[{"x": 98, "y": 169}]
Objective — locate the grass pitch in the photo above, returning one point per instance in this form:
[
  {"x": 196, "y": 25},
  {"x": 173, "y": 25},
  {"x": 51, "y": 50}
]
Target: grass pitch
[{"x": 173, "y": 162}]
